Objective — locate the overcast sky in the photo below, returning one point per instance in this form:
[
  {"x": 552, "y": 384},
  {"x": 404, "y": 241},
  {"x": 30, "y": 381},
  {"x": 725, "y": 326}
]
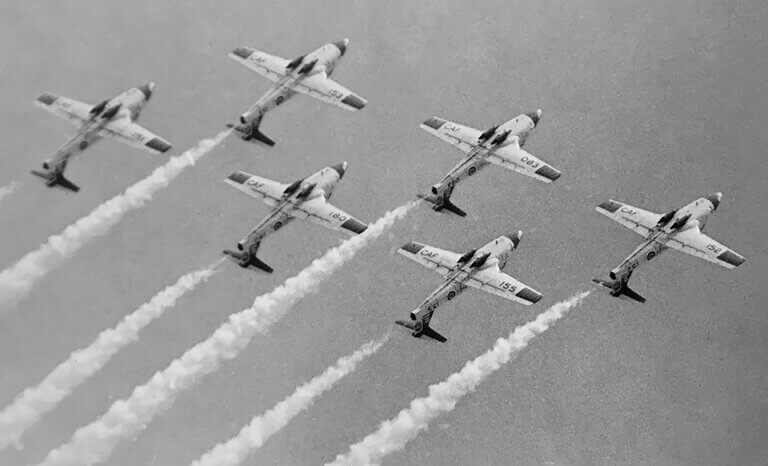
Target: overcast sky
[{"x": 650, "y": 103}]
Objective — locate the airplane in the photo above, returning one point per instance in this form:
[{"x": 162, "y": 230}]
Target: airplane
[
  {"x": 115, "y": 117},
  {"x": 308, "y": 74},
  {"x": 500, "y": 145},
  {"x": 478, "y": 268},
  {"x": 679, "y": 229},
  {"x": 304, "y": 198}
]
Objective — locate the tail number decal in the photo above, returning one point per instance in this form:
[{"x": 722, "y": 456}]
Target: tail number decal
[
  {"x": 529, "y": 161},
  {"x": 506, "y": 286}
]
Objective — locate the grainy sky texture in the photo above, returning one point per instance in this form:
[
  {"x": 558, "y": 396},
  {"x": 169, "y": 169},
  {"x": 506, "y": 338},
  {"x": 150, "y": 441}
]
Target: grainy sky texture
[{"x": 650, "y": 103}]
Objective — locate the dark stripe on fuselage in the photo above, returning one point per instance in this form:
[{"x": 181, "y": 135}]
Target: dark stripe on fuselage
[{"x": 412, "y": 247}]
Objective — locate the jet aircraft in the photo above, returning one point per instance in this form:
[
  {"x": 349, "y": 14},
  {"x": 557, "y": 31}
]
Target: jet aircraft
[
  {"x": 478, "y": 268},
  {"x": 304, "y": 198},
  {"x": 308, "y": 74},
  {"x": 114, "y": 117},
  {"x": 679, "y": 229},
  {"x": 500, "y": 145}
]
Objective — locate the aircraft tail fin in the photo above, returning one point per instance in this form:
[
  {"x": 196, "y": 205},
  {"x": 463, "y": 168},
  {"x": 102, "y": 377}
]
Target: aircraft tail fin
[
  {"x": 421, "y": 329},
  {"x": 445, "y": 203},
  {"x": 247, "y": 260},
  {"x": 56, "y": 180},
  {"x": 620, "y": 289},
  {"x": 250, "y": 132}
]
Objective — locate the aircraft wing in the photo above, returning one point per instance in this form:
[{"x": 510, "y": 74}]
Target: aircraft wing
[
  {"x": 269, "y": 66},
  {"x": 634, "y": 218},
  {"x": 463, "y": 137},
  {"x": 430, "y": 257},
  {"x": 75, "y": 111},
  {"x": 255, "y": 186},
  {"x": 328, "y": 215},
  {"x": 696, "y": 243},
  {"x": 513, "y": 157},
  {"x": 135, "y": 135},
  {"x": 320, "y": 86},
  {"x": 494, "y": 281}
]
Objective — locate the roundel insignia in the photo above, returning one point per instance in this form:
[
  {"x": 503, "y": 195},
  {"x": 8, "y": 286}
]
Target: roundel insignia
[
  {"x": 650, "y": 255},
  {"x": 278, "y": 225},
  {"x": 83, "y": 145},
  {"x": 418, "y": 327},
  {"x": 472, "y": 171},
  {"x": 427, "y": 318},
  {"x": 451, "y": 295},
  {"x": 280, "y": 99}
]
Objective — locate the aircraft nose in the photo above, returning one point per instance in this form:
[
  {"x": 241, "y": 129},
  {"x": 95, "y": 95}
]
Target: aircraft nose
[
  {"x": 715, "y": 199},
  {"x": 147, "y": 89},
  {"x": 340, "y": 169},
  {"x": 515, "y": 238},
  {"x": 535, "y": 116},
  {"x": 342, "y": 46}
]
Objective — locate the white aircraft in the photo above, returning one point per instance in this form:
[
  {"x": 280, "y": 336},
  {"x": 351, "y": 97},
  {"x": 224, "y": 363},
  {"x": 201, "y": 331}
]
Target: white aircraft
[
  {"x": 679, "y": 229},
  {"x": 304, "y": 198},
  {"x": 501, "y": 145},
  {"x": 478, "y": 268},
  {"x": 308, "y": 74},
  {"x": 113, "y": 117}
]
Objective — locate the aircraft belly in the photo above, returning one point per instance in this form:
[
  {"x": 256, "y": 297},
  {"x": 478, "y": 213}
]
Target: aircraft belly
[
  {"x": 75, "y": 146},
  {"x": 459, "y": 173},
  {"x": 643, "y": 253},
  {"x": 270, "y": 225},
  {"x": 447, "y": 292}
]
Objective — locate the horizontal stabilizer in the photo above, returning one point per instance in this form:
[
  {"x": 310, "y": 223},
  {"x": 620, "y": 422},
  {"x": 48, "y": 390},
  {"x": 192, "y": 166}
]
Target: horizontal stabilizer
[
  {"x": 251, "y": 133},
  {"x": 426, "y": 330},
  {"x": 446, "y": 204},
  {"x": 243, "y": 259},
  {"x": 619, "y": 290},
  {"x": 56, "y": 181}
]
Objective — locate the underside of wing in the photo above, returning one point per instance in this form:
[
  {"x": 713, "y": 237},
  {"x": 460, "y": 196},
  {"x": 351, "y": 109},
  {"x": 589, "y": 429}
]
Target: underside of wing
[
  {"x": 696, "y": 243},
  {"x": 320, "y": 86},
  {"x": 494, "y": 281},
  {"x": 269, "y": 66},
  {"x": 458, "y": 135},
  {"x": 328, "y": 215},
  {"x": 73, "y": 110},
  {"x": 634, "y": 218},
  {"x": 255, "y": 186},
  {"x": 513, "y": 157},
  {"x": 135, "y": 135},
  {"x": 431, "y": 257}
]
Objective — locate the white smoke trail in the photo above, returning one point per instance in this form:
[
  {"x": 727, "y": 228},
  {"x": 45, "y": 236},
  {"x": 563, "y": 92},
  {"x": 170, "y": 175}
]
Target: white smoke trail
[
  {"x": 8, "y": 189},
  {"x": 17, "y": 280},
  {"x": 395, "y": 433},
  {"x": 262, "y": 427},
  {"x": 126, "y": 418},
  {"x": 30, "y": 405}
]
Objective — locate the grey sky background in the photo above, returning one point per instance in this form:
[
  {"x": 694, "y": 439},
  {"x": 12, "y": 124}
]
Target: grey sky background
[{"x": 650, "y": 103}]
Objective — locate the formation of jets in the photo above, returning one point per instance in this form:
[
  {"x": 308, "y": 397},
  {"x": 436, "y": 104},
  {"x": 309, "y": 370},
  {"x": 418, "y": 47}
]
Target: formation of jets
[
  {"x": 308, "y": 197},
  {"x": 115, "y": 117}
]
